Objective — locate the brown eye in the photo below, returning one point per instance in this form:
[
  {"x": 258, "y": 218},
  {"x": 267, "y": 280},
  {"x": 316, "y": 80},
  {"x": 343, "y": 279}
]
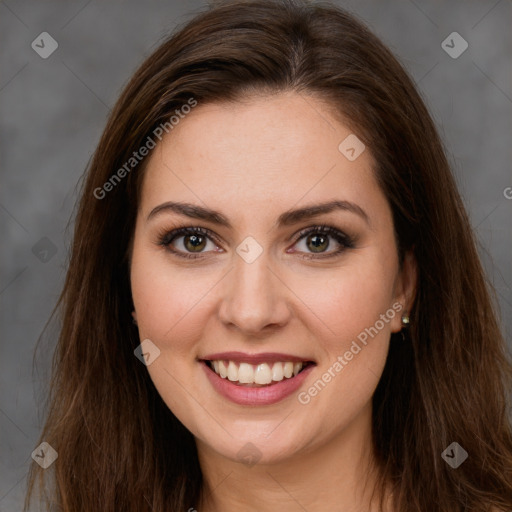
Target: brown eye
[
  {"x": 317, "y": 243},
  {"x": 194, "y": 243},
  {"x": 195, "y": 240}
]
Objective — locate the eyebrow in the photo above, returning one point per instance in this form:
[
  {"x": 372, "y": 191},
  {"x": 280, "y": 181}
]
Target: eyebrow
[{"x": 287, "y": 218}]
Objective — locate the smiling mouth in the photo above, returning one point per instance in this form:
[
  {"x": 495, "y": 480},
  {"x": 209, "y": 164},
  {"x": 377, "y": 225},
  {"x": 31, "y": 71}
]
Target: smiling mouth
[{"x": 256, "y": 375}]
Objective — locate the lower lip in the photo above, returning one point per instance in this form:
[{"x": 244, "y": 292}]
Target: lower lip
[{"x": 244, "y": 395}]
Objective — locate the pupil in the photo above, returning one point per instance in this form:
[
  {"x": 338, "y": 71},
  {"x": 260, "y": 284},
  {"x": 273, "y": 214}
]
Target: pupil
[
  {"x": 195, "y": 240},
  {"x": 318, "y": 244}
]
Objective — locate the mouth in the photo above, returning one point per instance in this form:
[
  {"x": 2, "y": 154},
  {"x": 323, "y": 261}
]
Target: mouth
[{"x": 259, "y": 375}]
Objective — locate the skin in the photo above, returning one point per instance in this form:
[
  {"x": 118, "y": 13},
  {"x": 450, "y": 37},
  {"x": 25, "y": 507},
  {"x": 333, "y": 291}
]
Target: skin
[{"x": 252, "y": 161}]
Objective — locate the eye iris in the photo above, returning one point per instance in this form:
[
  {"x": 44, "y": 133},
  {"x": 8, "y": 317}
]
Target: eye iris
[
  {"x": 317, "y": 244},
  {"x": 197, "y": 241}
]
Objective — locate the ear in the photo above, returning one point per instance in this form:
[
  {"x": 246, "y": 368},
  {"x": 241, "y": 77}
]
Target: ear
[{"x": 405, "y": 289}]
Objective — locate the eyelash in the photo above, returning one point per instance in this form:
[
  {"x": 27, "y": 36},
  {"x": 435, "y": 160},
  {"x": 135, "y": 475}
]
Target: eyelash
[{"x": 167, "y": 237}]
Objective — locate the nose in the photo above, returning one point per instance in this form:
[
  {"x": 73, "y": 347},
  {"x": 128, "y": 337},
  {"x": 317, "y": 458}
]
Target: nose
[{"x": 255, "y": 299}]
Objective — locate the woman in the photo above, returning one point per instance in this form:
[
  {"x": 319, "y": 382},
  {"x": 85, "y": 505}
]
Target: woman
[{"x": 274, "y": 300}]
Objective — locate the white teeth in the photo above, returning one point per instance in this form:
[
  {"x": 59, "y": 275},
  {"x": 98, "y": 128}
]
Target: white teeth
[
  {"x": 263, "y": 373},
  {"x": 232, "y": 371},
  {"x": 245, "y": 373},
  {"x": 288, "y": 369},
  {"x": 223, "y": 371},
  {"x": 277, "y": 372}
]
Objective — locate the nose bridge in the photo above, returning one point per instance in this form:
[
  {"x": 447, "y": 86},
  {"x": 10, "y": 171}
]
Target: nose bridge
[{"x": 254, "y": 297}]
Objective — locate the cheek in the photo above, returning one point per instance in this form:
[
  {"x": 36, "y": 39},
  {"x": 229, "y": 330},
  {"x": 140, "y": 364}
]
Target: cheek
[
  {"x": 356, "y": 314},
  {"x": 352, "y": 299},
  {"x": 168, "y": 303}
]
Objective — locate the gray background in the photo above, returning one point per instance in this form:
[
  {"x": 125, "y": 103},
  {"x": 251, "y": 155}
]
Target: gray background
[{"x": 53, "y": 111}]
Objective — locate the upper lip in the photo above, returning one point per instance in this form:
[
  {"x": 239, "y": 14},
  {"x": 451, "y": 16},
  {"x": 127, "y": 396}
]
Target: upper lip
[{"x": 264, "y": 357}]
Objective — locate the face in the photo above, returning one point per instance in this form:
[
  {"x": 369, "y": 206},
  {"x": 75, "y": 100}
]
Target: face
[{"x": 259, "y": 292}]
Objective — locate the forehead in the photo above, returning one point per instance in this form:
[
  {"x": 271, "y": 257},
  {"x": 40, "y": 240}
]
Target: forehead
[{"x": 266, "y": 150}]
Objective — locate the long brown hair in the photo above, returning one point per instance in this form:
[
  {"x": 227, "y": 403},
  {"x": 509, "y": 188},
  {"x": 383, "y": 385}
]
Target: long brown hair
[{"x": 119, "y": 446}]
